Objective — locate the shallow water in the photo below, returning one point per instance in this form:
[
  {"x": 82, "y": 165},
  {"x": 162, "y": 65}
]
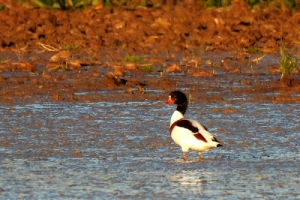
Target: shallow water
[
  {"x": 117, "y": 150},
  {"x": 123, "y": 150}
]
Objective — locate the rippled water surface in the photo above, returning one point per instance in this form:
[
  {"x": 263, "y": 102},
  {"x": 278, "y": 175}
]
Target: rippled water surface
[{"x": 123, "y": 151}]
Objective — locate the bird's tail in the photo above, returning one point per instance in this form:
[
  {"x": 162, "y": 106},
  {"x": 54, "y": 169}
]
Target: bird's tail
[{"x": 219, "y": 144}]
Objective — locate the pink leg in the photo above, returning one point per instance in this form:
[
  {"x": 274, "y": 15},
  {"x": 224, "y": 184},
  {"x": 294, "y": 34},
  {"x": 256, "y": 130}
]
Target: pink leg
[
  {"x": 183, "y": 155},
  {"x": 199, "y": 156}
]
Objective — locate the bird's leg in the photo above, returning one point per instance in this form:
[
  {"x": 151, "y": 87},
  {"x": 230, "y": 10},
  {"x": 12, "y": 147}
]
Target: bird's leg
[
  {"x": 184, "y": 156},
  {"x": 199, "y": 155}
]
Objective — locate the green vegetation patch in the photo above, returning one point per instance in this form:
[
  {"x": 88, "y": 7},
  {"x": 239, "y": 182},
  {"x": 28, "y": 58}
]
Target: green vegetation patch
[
  {"x": 2, "y": 7},
  {"x": 132, "y": 58},
  {"x": 148, "y": 68},
  {"x": 72, "y": 48},
  {"x": 253, "y": 50},
  {"x": 66, "y": 4},
  {"x": 287, "y": 62}
]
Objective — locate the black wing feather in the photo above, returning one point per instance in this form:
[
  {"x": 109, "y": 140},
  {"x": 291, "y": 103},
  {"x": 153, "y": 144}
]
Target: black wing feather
[{"x": 188, "y": 125}]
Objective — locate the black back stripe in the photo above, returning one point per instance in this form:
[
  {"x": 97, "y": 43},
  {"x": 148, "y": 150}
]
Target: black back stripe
[{"x": 188, "y": 125}]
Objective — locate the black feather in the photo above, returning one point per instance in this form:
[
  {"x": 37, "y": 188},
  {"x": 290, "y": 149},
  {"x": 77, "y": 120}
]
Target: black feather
[
  {"x": 215, "y": 139},
  {"x": 188, "y": 125}
]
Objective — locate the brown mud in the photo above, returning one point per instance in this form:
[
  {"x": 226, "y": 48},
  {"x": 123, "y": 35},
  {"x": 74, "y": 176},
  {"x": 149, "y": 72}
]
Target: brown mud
[
  {"x": 182, "y": 40},
  {"x": 149, "y": 30}
]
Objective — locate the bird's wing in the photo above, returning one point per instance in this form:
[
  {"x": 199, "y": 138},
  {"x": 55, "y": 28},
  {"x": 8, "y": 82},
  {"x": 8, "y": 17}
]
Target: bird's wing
[
  {"x": 197, "y": 129},
  {"x": 185, "y": 123},
  {"x": 203, "y": 130}
]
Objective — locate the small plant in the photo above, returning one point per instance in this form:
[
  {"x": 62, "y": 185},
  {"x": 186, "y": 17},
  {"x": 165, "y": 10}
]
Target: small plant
[
  {"x": 72, "y": 48},
  {"x": 132, "y": 58},
  {"x": 141, "y": 89},
  {"x": 197, "y": 53},
  {"x": 280, "y": 4},
  {"x": 64, "y": 67},
  {"x": 106, "y": 3},
  {"x": 65, "y": 4},
  {"x": 120, "y": 2},
  {"x": 190, "y": 98},
  {"x": 21, "y": 53},
  {"x": 2, "y": 7},
  {"x": 287, "y": 63},
  {"x": 253, "y": 50},
  {"x": 217, "y": 3},
  {"x": 162, "y": 73},
  {"x": 148, "y": 68},
  {"x": 194, "y": 61},
  {"x": 213, "y": 66}
]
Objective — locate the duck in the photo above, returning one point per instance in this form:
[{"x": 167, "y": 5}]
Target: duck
[{"x": 187, "y": 133}]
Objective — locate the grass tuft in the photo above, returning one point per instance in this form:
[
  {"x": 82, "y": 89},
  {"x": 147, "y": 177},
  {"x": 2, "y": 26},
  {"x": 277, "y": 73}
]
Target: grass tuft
[
  {"x": 132, "y": 58},
  {"x": 21, "y": 53},
  {"x": 72, "y": 48},
  {"x": 287, "y": 63},
  {"x": 148, "y": 68},
  {"x": 2, "y": 7},
  {"x": 253, "y": 50}
]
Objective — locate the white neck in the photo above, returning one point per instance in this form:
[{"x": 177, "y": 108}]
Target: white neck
[{"x": 176, "y": 116}]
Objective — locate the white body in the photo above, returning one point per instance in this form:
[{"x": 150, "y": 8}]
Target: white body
[{"x": 186, "y": 139}]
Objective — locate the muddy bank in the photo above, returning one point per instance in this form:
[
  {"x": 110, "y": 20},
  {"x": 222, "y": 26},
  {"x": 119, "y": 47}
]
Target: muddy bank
[
  {"x": 150, "y": 30},
  {"x": 216, "y": 78}
]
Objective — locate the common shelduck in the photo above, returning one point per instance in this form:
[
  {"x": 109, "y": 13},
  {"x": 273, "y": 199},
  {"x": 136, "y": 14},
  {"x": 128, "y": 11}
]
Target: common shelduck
[{"x": 187, "y": 133}]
